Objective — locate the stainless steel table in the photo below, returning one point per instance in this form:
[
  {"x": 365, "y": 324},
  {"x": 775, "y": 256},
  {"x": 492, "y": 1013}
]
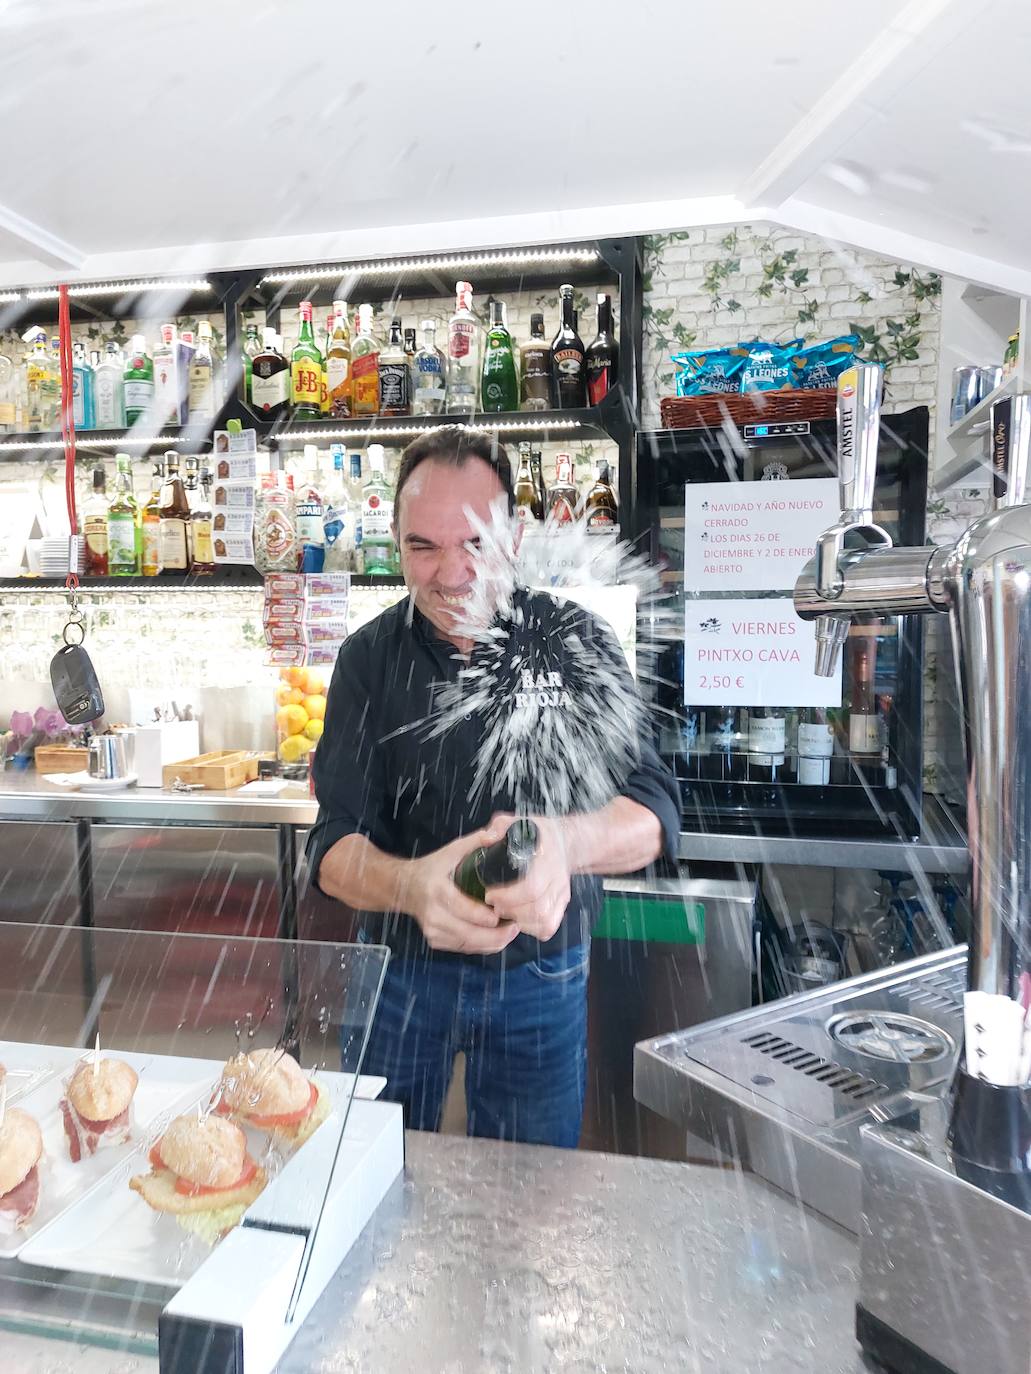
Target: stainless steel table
[{"x": 513, "y": 1259}]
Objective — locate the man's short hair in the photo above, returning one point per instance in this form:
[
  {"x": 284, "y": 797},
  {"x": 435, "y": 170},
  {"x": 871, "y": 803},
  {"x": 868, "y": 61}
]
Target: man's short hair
[{"x": 456, "y": 444}]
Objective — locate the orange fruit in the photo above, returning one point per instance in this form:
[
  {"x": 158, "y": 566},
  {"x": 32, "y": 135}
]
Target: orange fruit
[
  {"x": 296, "y": 676},
  {"x": 314, "y": 683},
  {"x": 316, "y": 707},
  {"x": 291, "y": 719}
]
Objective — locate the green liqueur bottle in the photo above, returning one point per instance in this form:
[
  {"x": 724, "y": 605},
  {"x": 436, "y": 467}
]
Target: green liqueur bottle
[
  {"x": 500, "y": 381},
  {"x": 122, "y": 521},
  {"x": 497, "y": 864},
  {"x": 138, "y": 381}
]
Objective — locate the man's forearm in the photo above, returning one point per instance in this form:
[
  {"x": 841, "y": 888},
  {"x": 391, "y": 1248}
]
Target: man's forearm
[
  {"x": 355, "y": 871},
  {"x": 620, "y": 838}
]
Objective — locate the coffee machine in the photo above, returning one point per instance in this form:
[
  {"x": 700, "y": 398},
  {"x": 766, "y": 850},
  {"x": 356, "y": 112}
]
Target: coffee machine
[{"x": 946, "y": 1188}]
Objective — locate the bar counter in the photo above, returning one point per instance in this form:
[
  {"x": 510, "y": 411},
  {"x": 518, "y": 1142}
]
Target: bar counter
[
  {"x": 490, "y": 1257},
  {"x": 941, "y": 847}
]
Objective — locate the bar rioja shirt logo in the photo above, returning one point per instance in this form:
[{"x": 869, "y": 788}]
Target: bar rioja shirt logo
[{"x": 541, "y": 689}]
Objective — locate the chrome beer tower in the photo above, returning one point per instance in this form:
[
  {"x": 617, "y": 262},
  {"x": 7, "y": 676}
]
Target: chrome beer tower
[{"x": 947, "y": 1194}]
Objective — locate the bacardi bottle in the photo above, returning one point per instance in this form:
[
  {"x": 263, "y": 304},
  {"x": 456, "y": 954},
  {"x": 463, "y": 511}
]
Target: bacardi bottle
[
  {"x": 567, "y": 359},
  {"x": 270, "y": 380},
  {"x": 463, "y": 354},
  {"x": 429, "y": 371},
  {"x": 378, "y": 518},
  {"x": 306, "y": 370}
]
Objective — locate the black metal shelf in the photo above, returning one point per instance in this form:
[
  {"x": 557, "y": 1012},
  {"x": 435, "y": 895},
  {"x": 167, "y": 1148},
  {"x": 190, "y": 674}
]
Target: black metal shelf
[{"x": 235, "y": 576}]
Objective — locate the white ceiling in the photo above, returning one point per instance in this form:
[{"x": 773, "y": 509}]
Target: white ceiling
[{"x": 160, "y": 137}]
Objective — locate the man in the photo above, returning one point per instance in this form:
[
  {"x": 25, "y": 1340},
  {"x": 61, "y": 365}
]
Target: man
[{"x": 505, "y": 981}]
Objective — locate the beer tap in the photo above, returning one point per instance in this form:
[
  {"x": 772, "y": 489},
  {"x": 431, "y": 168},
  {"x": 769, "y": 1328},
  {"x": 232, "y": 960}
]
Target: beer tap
[{"x": 983, "y": 582}]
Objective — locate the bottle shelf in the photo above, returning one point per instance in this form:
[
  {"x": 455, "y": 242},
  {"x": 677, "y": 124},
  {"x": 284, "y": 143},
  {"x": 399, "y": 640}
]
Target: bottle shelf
[
  {"x": 227, "y": 577},
  {"x": 35, "y": 442}
]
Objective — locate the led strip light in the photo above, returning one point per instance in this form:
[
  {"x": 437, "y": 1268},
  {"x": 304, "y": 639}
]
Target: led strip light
[
  {"x": 93, "y": 441},
  {"x": 115, "y": 288},
  {"x": 394, "y": 266},
  {"x": 308, "y": 436}
]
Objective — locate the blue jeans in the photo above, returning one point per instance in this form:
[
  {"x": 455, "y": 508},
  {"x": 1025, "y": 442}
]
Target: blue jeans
[{"x": 523, "y": 1032}]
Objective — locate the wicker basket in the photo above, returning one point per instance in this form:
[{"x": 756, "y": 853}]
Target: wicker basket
[{"x": 746, "y": 408}]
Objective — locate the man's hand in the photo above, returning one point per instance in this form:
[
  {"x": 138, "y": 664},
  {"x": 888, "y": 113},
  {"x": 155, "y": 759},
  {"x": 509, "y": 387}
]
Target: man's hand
[
  {"x": 537, "y": 902},
  {"x": 448, "y": 918}
]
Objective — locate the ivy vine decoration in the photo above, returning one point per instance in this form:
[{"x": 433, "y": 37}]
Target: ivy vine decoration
[{"x": 664, "y": 334}]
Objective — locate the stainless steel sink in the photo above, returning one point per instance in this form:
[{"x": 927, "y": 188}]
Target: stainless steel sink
[{"x": 785, "y": 1089}]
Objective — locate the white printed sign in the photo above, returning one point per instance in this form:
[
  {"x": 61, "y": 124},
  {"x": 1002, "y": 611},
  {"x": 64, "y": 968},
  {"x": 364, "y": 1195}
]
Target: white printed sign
[
  {"x": 753, "y": 536},
  {"x": 752, "y": 652}
]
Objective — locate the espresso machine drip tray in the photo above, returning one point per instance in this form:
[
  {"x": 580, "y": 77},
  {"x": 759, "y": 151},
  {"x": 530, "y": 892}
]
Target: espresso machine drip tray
[{"x": 786, "y": 1088}]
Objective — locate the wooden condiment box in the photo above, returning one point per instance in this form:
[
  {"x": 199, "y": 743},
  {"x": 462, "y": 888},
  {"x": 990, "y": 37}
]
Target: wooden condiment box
[
  {"x": 221, "y": 770},
  {"x": 60, "y": 758}
]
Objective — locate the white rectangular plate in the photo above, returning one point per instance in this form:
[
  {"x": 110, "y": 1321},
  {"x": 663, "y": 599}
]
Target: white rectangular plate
[
  {"x": 62, "y": 1183},
  {"x": 29, "y": 1066},
  {"x": 113, "y": 1233}
]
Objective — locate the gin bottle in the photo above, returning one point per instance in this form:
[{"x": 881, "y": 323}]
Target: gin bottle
[
  {"x": 82, "y": 389},
  {"x": 108, "y": 389},
  {"x": 139, "y": 381}
]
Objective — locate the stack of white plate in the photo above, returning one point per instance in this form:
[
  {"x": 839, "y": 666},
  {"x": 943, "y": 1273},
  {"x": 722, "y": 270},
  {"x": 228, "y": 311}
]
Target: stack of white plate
[{"x": 54, "y": 556}]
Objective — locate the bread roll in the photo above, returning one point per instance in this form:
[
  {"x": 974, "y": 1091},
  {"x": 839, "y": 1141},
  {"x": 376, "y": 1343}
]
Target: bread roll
[
  {"x": 104, "y": 1094},
  {"x": 158, "y": 1190},
  {"x": 21, "y": 1145},
  {"x": 209, "y": 1151},
  {"x": 264, "y": 1083}
]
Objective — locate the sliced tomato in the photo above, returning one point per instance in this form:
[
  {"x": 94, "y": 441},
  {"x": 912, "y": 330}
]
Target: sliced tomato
[
  {"x": 221, "y": 1108},
  {"x": 288, "y": 1118},
  {"x": 188, "y": 1189},
  {"x": 155, "y": 1156}
]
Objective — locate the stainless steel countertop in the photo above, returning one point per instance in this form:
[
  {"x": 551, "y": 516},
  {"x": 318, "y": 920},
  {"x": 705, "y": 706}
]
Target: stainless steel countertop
[
  {"x": 490, "y": 1259},
  {"x": 26, "y": 796}
]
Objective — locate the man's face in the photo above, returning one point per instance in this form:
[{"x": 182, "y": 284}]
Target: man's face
[{"x": 436, "y": 536}]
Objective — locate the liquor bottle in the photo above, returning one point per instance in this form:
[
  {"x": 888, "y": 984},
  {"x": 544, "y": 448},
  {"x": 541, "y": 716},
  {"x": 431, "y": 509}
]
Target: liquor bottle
[
  {"x": 815, "y": 747},
  {"x": 202, "y": 562},
  {"x": 52, "y": 385},
  {"x": 309, "y": 509},
  {"x": 338, "y": 519},
  {"x": 864, "y": 726},
  {"x": 495, "y": 865},
  {"x": 138, "y": 389},
  {"x": 275, "y": 535},
  {"x": 306, "y": 370},
  {"x": 766, "y": 743},
  {"x": 37, "y": 368},
  {"x": 394, "y": 379},
  {"x": 94, "y": 526},
  {"x": 270, "y": 379},
  {"x": 499, "y": 385},
  {"x": 122, "y": 518},
  {"x": 325, "y": 405},
  {"x": 563, "y": 498},
  {"x": 109, "y": 389},
  {"x": 463, "y": 353},
  {"x": 202, "y": 377},
  {"x": 537, "y": 473},
  {"x": 174, "y": 521},
  {"x": 601, "y": 509},
  {"x": 191, "y": 467},
  {"x": 251, "y": 349},
  {"x": 410, "y": 346},
  {"x": 529, "y": 506},
  {"x": 725, "y": 746},
  {"x": 356, "y": 492},
  {"x": 171, "y": 402},
  {"x": 338, "y": 362},
  {"x": 429, "y": 371},
  {"x": 365, "y": 366},
  {"x": 8, "y": 395},
  {"x": 567, "y": 359},
  {"x": 82, "y": 389},
  {"x": 535, "y": 368},
  {"x": 601, "y": 360},
  {"x": 377, "y": 518},
  {"x": 150, "y": 524}
]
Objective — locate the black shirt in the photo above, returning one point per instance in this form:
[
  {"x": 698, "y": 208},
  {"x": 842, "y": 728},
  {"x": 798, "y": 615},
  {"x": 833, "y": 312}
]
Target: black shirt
[{"x": 402, "y": 759}]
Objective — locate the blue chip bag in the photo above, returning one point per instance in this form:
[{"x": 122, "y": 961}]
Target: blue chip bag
[
  {"x": 768, "y": 366},
  {"x": 821, "y": 364},
  {"x": 708, "y": 371}
]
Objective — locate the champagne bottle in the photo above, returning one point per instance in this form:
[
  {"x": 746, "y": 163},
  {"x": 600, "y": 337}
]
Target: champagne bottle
[{"x": 495, "y": 865}]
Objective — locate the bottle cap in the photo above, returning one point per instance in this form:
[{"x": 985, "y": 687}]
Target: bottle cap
[
  {"x": 304, "y": 310},
  {"x": 167, "y": 333},
  {"x": 428, "y": 324},
  {"x": 234, "y": 426},
  {"x": 537, "y": 321},
  {"x": 204, "y": 329}
]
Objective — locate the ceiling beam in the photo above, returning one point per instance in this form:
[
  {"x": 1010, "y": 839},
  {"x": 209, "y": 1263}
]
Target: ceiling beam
[
  {"x": 41, "y": 243},
  {"x": 910, "y": 41}
]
